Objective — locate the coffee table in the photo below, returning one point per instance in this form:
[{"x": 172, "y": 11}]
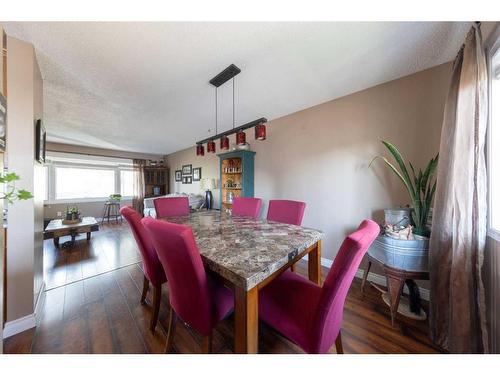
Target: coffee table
[{"x": 56, "y": 229}]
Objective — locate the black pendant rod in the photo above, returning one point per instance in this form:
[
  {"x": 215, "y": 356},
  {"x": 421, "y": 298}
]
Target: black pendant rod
[
  {"x": 216, "y": 110},
  {"x": 233, "y": 102},
  {"x": 248, "y": 125}
]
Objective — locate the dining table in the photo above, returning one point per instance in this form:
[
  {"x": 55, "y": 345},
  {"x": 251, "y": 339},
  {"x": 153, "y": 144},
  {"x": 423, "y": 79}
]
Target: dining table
[{"x": 248, "y": 253}]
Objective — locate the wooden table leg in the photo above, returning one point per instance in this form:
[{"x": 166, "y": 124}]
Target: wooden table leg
[
  {"x": 395, "y": 287},
  {"x": 365, "y": 276},
  {"x": 56, "y": 241},
  {"x": 88, "y": 236},
  {"x": 246, "y": 320},
  {"x": 314, "y": 264}
]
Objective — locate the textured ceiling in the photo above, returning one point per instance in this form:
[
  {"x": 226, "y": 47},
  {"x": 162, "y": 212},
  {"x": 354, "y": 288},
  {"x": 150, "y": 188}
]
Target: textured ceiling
[{"x": 144, "y": 86}]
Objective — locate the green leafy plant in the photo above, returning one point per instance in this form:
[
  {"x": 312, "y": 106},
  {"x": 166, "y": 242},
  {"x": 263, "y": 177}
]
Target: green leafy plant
[
  {"x": 115, "y": 197},
  {"x": 421, "y": 186},
  {"x": 9, "y": 179}
]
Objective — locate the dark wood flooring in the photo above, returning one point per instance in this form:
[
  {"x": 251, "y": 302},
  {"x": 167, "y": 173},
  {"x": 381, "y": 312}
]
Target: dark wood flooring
[
  {"x": 102, "y": 314},
  {"x": 110, "y": 248}
]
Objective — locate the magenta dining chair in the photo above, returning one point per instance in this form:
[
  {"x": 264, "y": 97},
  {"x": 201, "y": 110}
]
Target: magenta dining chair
[
  {"x": 173, "y": 206},
  {"x": 286, "y": 211},
  {"x": 246, "y": 206},
  {"x": 309, "y": 315},
  {"x": 152, "y": 268},
  {"x": 195, "y": 297}
]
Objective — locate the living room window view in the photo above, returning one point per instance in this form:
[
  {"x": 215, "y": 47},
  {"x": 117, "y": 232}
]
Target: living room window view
[{"x": 250, "y": 188}]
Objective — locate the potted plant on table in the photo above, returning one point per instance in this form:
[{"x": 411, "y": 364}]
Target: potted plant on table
[
  {"x": 72, "y": 214},
  {"x": 406, "y": 247},
  {"x": 421, "y": 187},
  {"x": 410, "y": 252}
]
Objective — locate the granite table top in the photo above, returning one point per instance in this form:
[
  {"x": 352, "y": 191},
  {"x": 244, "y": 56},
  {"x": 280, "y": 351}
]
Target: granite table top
[{"x": 245, "y": 250}]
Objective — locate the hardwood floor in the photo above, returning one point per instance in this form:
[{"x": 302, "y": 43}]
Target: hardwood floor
[
  {"x": 103, "y": 314},
  {"x": 110, "y": 248}
]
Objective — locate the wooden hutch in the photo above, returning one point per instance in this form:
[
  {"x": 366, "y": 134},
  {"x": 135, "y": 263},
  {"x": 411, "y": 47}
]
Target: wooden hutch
[
  {"x": 236, "y": 176},
  {"x": 155, "y": 181}
]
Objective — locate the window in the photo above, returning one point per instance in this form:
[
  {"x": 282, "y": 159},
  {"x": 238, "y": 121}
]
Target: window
[
  {"x": 74, "y": 182},
  {"x": 127, "y": 183},
  {"x": 45, "y": 182},
  {"x": 72, "y": 178},
  {"x": 494, "y": 143}
]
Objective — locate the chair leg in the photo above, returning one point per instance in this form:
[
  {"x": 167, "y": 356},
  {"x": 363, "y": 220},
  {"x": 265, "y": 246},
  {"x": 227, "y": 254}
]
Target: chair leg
[
  {"x": 156, "y": 306},
  {"x": 206, "y": 344},
  {"x": 145, "y": 288},
  {"x": 292, "y": 268},
  {"x": 338, "y": 344},
  {"x": 172, "y": 320}
]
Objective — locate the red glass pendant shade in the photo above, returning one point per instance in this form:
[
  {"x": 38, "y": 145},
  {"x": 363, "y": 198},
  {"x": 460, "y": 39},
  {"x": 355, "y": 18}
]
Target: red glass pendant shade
[
  {"x": 260, "y": 132},
  {"x": 240, "y": 138},
  {"x": 211, "y": 146},
  {"x": 224, "y": 143},
  {"x": 200, "y": 150}
]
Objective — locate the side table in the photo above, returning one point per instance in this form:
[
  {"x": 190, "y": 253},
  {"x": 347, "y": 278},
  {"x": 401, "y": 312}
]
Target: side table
[
  {"x": 111, "y": 210},
  {"x": 395, "y": 282}
]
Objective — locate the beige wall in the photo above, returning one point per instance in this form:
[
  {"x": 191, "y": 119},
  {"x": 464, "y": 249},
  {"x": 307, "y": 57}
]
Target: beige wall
[
  {"x": 320, "y": 155},
  {"x": 209, "y": 169},
  {"x": 86, "y": 208},
  {"x": 24, "y": 248},
  {"x": 38, "y": 191}
]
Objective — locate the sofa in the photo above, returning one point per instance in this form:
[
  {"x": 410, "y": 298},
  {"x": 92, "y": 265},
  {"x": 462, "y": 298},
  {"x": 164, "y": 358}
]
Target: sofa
[{"x": 195, "y": 202}]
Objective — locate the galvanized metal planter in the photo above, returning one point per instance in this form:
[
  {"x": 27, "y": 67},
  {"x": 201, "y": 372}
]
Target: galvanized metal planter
[{"x": 409, "y": 255}]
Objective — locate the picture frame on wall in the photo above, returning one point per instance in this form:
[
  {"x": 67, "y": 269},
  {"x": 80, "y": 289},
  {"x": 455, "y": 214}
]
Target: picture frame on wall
[
  {"x": 187, "y": 179},
  {"x": 178, "y": 176},
  {"x": 41, "y": 139},
  {"x": 187, "y": 170},
  {"x": 197, "y": 174}
]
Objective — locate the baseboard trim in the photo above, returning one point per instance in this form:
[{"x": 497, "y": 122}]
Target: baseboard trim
[
  {"x": 374, "y": 278},
  {"x": 40, "y": 302},
  {"x": 26, "y": 322},
  {"x": 19, "y": 325}
]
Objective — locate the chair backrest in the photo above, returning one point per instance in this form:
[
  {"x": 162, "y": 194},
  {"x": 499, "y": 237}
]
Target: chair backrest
[
  {"x": 244, "y": 206},
  {"x": 286, "y": 211},
  {"x": 187, "y": 280},
  {"x": 151, "y": 264},
  {"x": 173, "y": 206},
  {"x": 329, "y": 315}
]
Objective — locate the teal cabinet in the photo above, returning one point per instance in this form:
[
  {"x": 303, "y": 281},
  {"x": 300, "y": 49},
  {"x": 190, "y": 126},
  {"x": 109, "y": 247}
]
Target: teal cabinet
[{"x": 236, "y": 176}]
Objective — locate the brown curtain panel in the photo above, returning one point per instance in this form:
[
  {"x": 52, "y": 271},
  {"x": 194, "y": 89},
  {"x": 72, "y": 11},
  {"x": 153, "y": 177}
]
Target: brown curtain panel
[
  {"x": 457, "y": 300},
  {"x": 138, "y": 198}
]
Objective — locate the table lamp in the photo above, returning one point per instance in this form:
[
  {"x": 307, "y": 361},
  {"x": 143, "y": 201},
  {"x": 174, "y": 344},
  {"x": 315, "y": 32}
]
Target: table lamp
[{"x": 208, "y": 184}]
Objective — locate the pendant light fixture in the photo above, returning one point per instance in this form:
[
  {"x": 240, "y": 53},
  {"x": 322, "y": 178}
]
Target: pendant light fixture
[
  {"x": 200, "y": 150},
  {"x": 211, "y": 143},
  {"x": 224, "y": 143},
  {"x": 260, "y": 124},
  {"x": 260, "y": 132}
]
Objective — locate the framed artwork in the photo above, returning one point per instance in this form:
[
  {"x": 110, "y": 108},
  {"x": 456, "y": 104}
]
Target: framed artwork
[
  {"x": 178, "y": 176},
  {"x": 197, "y": 174},
  {"x": 187, "y": 170},
  {"x": 41, "y": 138},
  {"x": 187, "y": 179},
  {"x": 3, "y": 122}
]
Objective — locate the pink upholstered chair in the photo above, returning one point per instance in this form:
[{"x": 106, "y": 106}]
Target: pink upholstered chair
[
  {"x": 309, "y": 315},
  {"x": 195, "y": 297},
  {"x": 246, "y": 206},
  {"x": 151, "y": 266},
  {"x": 174, "y": 206},
  {"x": 285, "y": 211}
]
